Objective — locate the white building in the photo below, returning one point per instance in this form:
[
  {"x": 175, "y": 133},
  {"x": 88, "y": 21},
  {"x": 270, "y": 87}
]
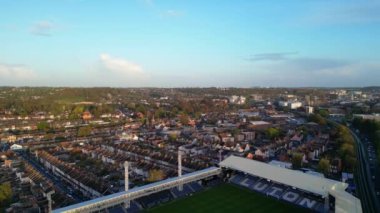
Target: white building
[
  {"x": 257, "y": 97},
  {"x": 16, "y": 147},
  {"x": 295, "y": 105},
  {"x": 368, "y": 116},
  {"x": 235, "y": 99},
  {"x": 309, "y": 110},
  {"x": 290, "y": 104}
]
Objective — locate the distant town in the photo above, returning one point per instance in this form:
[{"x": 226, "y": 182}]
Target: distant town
[{"x": 65, "y": 146}]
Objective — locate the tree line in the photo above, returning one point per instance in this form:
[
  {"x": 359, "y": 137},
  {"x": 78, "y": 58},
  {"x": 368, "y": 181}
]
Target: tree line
[{"x": 370, "y": 128}]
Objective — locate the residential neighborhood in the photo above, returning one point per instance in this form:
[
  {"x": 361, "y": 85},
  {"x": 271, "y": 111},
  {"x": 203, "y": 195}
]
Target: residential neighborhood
[{"x": 73, "y": 152}]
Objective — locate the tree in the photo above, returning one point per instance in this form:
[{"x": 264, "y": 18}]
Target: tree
[
  {"x": 156, "y": 175},
  {"x": 324, "y": 113},
  {"x": 235, "y": 131},
  {"x": 184, "y": 119},
  {"x": 131, "y": 106},
  {"x": 272, "y": 132},
  {"x": 76, "y": 112},
  {"x": 346, "y": 149},
  {"x": 84, "y": 131},
  {"x": 160, "y": 113},
  {"x": 318, "y": 119},
  {"x": 324, "y": 166},
  {"x": 141, "y": 109},
  {"x": 173, "y": 137},
  {"x": 377, "y": 142},
  {"x": 49, "y": 136},
  {"x": 349, "y": 163},
  {"x": 5, "y": 193},
  {"x": 43, "y": 125},
  {"x": 297, "y": 160}
]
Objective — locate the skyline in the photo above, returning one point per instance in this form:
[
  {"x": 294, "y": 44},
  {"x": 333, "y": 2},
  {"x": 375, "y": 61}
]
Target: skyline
[{"x": 147, "y": 43}]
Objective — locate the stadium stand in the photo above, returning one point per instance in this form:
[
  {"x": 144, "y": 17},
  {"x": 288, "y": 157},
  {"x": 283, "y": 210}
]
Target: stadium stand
[
  {"x": 116, "y": 209},
  {"x": 279, "y": 191},
  {"x": 145, "y": 192},
  {"x": 186, "y": 190},
  {"x": 195, "y": 186},
  {"x": 314, "y": 193},
  {"x": 134, "y": 207},
  {"x": 155, "y": 199},
  {"x": 295, "y": 187}
]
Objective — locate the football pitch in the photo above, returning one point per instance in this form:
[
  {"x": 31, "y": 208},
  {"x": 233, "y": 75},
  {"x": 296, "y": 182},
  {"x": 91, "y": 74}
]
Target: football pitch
[{"x": 227, "y": 198}]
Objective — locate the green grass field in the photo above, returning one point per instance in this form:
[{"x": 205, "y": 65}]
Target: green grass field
[{"x": 227, "y": 198}]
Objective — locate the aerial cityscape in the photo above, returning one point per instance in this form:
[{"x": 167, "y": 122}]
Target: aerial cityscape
[{"x": 189, "y": 106}]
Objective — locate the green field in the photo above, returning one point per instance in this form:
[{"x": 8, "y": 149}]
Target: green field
[{"x": 227, "y": 198}]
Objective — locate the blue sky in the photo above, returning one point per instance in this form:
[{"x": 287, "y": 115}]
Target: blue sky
[{"x": 201, "y": 43}]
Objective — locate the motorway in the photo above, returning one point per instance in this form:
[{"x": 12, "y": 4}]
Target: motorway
[
  {"x": 373, "y": 163},
  {"x": 366, "y": 187},
  {"x": 57, "y": 182}
]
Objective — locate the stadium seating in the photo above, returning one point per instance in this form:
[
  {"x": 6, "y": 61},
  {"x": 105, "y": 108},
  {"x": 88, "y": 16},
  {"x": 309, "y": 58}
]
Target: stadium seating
[
  {"x": 196, "y": 187},
  {"x": 257, "y": 184},
  {"x": 155, "y": 199},
  {"x": 279, "y": 191},
  {"x": 186, "y": 190},
  {"x": 214, "y": 182},
  {"x": 134, "y": 207},
  {"x": 116, "y": 209}
]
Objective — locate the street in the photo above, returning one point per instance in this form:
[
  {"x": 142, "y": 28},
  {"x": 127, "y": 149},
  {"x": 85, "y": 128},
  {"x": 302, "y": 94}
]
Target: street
[
  {"x": 365, "y": 180},
  {"x": 57, "y": 182}
]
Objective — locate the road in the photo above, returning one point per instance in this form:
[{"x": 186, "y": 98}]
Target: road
[
  {"x": 57, "y": 182},
  {"x": 366, "y": 187},
  {"x": 373, "y": 163}
]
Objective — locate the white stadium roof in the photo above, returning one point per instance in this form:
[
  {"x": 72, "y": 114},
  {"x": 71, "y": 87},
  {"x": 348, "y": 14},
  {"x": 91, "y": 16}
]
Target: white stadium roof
[
  {"x": 344, "y": 202},
  {"x": 107, "y": 201}
]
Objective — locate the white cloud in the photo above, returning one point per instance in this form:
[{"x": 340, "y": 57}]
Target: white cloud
[
  {"x": 148, "y": 3},
  {"x": 121, "y": 66},
  {"x": 14, "y": 74},
  {"x": 316, "y": 72},
  {"x": 8, "y": 71},
  {"x": 274, "y": 56},
  {"x": 42, "y": 28},
  {"x": 172, "y": 13},
  {"x": 350, "y": 13},
  {"x": 162, "y": 13}
]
